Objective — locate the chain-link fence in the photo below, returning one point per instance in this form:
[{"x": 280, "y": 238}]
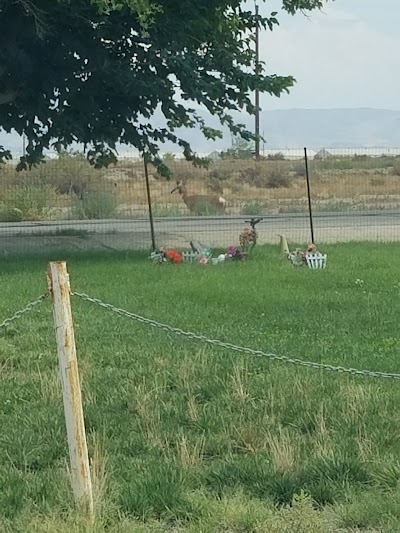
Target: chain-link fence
[{"x": 68, "y": 204}]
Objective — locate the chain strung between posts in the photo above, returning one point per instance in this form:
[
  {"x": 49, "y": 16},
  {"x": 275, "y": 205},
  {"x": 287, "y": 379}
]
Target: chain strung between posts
[
  {"x": 22, "y": 312},
  {"x": 233, "y": 347}
]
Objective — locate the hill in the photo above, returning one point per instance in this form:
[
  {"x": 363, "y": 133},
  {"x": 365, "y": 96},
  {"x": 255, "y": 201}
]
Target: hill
[{"x": 292, "y": 128}]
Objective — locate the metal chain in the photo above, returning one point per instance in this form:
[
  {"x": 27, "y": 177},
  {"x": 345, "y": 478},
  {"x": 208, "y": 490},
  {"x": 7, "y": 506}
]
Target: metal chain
[
  {"x": 21, "y": 312},
  {"x": 230, "y": 346}
]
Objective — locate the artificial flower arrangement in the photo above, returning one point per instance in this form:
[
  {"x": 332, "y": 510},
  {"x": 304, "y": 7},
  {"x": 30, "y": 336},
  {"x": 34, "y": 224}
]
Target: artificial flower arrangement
[
  {"x": 163, "y": 256},
  {"x": 204, "y": 256},
  {"x": 235, "y": 254},
  {"x": 299, "y": 257}
]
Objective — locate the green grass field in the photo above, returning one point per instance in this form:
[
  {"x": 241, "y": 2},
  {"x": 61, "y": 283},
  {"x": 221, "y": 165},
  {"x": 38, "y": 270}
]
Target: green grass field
[{"x": 193, "y": 438}]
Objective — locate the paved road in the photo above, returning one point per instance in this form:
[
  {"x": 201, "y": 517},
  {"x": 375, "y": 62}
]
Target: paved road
[
  {"x": 217, "y": 231},
  {"x": 208, "y": 224}
]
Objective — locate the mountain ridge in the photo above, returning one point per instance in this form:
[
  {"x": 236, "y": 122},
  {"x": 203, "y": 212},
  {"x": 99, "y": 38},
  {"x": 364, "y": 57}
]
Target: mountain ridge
[{"x": 364, "y": 127}]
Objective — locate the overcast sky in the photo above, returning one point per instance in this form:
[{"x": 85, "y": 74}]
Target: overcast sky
[{"x": 346, "y": 56}]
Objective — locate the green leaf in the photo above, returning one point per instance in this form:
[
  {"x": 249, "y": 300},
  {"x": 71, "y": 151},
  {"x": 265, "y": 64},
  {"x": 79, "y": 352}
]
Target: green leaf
[{"x": 96, "y": 71}]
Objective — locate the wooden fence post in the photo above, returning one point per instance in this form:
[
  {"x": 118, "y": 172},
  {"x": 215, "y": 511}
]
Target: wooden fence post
[{"x": 79, "y": 460}]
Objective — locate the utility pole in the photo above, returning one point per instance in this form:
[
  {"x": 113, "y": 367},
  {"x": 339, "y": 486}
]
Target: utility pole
[{"x": 257, "y": 93}]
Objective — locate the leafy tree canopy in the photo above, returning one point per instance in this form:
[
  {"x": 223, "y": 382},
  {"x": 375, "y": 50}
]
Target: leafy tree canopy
[{"x": 95, "y": 71}]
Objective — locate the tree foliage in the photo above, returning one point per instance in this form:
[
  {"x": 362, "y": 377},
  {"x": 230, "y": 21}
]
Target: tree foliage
[
  {"x": 95, "y": 71},
  {"x": 240, "y": 149}
]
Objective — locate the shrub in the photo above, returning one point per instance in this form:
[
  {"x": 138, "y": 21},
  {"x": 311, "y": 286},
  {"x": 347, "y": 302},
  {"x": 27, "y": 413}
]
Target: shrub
[
  {"x": 33, "y": 201},
  {"x": 68, "y": 173},
  {"x": 265, "y": 176},
  {"x": 250, "y": 175},
  {"x": 160, "y": 211},
  {"x": 220, "y": 174},
  {"x": 205, "y": 208},
  {"x": 214, "y": 185},
  {"x": 184, "y": 171},
  {"x": 95, "y": 206},
  {"x": 396, "y": 166},
  {"x": 253, "y": 208},
  {"x": 241, "y": 149},
  {"x": 10, "y": 214},
  {"x": 334, "y": 163},
  {"x": 168, "y": 156},
  {"x": 299, "y": 169},
  {"x": 377, "y": 181},
  {"x": 276, "y": 157},
  {"x": 277, "y": 179}
]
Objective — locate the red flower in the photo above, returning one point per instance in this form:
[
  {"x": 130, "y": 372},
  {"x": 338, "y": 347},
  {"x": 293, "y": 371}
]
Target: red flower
[{"x": 174, "y": 256}]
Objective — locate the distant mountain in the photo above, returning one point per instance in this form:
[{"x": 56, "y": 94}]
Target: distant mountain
[
  {"x": 332, "y": 128},
  {"x": 292, "y": 128}
]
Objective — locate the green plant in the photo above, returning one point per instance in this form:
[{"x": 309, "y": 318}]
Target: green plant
[
  {"x": 97, "y": 105},
  {"x": 220, "y": 174},
  {"x": 168, "y": 157},
  {"x": 377, "y": 181},
  {"x": 68, "y": 174},
  {"x": 10, "y": 214},
  {"x": 265, "y": 176},
  {"x": 157, "y": 490},
  {"x": 334, "y": 163},
  {"x": 71, "y": 173},
  {"x": 299, "y": 169},
  {"x": 167, "y": 211},
  {"x": 333, "y": 206},
  {"x": 300, "y": 516},
  {"x": 96, "y": 205},
  {"x": 396, "y": 166},
  {"x": 276, "y": 157},
  {"x": 205, "y": 208},
  {"x": 253, "y": 208},
  {"x": 277, "y": 178},
  {"x": 214, "y": 185},
  {"x": 33, "y": 201},
  {"x": 241, "y": 149},
  {"x": 251, "y": 175}
]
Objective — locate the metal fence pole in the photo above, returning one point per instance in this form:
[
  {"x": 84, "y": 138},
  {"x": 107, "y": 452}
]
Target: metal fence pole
[
  {"x": 146, "y": 175},
  {"x": 309, "y": 196}
]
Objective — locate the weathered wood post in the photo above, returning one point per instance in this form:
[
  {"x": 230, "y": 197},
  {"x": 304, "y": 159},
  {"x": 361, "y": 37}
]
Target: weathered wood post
[{"x": 79, "y": 460}]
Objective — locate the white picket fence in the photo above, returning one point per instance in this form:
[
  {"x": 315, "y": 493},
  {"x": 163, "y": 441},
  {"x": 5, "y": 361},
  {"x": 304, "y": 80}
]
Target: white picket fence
[
  {"x": 316, "y": 260},
  {"x": 191, "y": 257}
]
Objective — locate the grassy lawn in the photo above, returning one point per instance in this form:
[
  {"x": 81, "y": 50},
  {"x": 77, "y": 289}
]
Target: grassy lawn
[{"x": 189, "y": 437}]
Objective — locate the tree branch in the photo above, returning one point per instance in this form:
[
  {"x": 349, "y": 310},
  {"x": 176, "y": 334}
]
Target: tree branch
[{"x": 39, "y": 16}]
